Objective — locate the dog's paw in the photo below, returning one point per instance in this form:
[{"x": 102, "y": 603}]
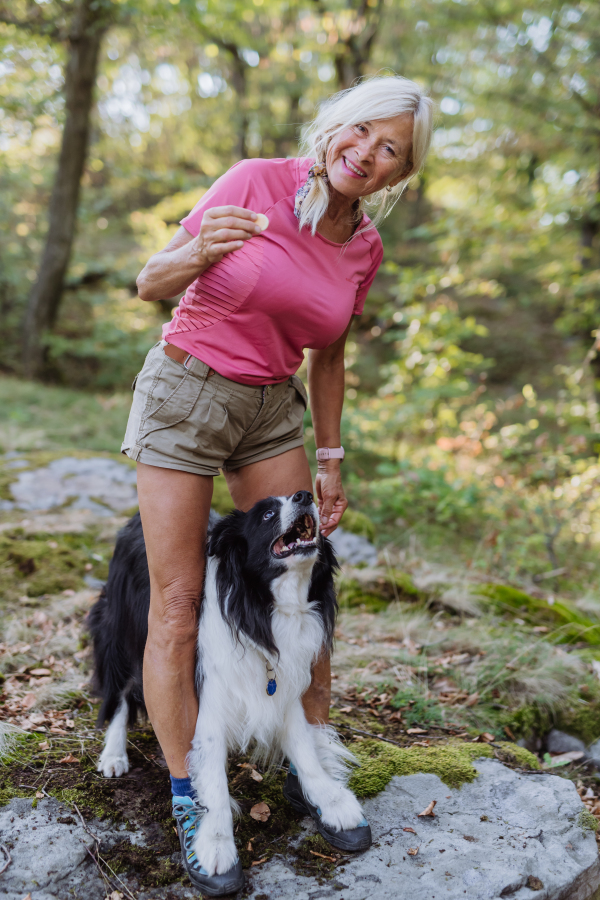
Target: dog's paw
[
  {"x": 214, "y": 846},
  {"x": 341, "y": 810},
  {"x": 113, "y": 765}
]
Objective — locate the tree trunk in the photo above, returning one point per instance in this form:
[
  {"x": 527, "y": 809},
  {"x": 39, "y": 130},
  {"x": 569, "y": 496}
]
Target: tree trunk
[{"x": 88, "y": 26}]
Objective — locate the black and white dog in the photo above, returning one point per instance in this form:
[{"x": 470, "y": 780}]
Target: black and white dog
[{"x": 268, "y": 608}]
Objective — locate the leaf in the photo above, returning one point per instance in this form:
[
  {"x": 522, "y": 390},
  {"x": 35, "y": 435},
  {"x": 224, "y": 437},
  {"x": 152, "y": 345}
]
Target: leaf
[
  {"x": 472, "y": 699},
  {"x": 69, "y": 758},
  {"x": 260, "y": 812},
  {"x": 40, "y": 672},
  {"x": 428, "y": 811},
  {"x": 562, "y": 759},
  {"x": 534, "y": 883},
  {"x": 39, "y": 795},
  {"x": 28, "y": 700},
  {"x": 484, "y": 738},
  {"x": 256, "y": 776},
  {"x": 416, "y": 731},
  {"x": 412, "y": 851},
  {"x": 45, "y": 745},
  {"x": 412, "y": 830},
  {"x": 346, "y": 709},
  {"x": 259, "y": 862}
]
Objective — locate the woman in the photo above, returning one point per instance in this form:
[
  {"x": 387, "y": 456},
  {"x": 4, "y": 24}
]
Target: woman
[{"x": 220, "y": 390}]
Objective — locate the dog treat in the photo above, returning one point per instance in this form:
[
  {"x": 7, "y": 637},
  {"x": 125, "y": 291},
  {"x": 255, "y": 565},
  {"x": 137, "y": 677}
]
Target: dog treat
[{"x": 262, "y": 221}]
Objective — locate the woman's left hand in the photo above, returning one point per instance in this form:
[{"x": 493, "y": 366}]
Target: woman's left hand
[{"x": 331, "y": 499}]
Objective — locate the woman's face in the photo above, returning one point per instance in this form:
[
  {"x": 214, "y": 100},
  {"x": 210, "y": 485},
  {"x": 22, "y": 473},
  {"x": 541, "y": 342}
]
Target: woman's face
[{"x": 369, "y": 156}]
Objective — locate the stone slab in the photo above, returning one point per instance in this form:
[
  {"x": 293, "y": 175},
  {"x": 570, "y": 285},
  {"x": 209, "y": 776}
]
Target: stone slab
[{"x": 486, "y": 842}]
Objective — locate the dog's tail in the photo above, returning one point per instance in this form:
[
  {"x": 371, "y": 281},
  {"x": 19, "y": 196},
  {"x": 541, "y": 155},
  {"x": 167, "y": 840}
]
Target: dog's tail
[{"x": 118, "y": 624}]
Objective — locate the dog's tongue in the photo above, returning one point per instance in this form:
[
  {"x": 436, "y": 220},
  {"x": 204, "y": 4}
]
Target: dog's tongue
[{"x": 279, "y": 546}]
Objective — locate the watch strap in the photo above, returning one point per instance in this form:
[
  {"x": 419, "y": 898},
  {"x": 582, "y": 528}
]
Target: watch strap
[{"x": 324, "y": 453}]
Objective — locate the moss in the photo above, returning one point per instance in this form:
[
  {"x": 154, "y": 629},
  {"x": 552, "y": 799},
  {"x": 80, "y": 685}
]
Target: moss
[
  {"x": 452, "y": 763},
  {"x": 581, "y": 720},
  {"x": 352, "y": 595},
  {"x": 37, "y": 564},
  {"x": 307, "y": 858},
  {"x": 587, "y": 821},
  {"x": 515, "y": 755},
  {"x": 569, "y": 624},
  {"x": 527, "y": 720},
  {"x": 151, "y": 871},
  {"x": 360, "y": 524}
]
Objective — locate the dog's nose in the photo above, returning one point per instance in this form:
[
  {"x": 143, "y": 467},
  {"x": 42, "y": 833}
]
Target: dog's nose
[{"x": 304, "y": 497}]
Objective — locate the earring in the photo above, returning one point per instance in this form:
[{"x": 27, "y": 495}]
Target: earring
[{"x": 389, "y": 189}]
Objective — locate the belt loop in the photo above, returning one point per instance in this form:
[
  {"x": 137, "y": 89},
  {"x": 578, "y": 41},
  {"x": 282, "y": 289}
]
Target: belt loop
[{"x": 186, "y": 361}]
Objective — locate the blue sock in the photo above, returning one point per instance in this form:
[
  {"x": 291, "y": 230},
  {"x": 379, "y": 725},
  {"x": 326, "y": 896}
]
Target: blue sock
[
  {"x": 182, "y": 787},
  {"x": 293, "y": 769}
]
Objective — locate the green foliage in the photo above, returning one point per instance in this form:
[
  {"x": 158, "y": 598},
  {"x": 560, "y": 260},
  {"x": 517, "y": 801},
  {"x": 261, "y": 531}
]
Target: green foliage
[
  {"x": 587, "y": 821},
  {"x": 417, "y": 709},
  {"x": 359, "y": 523}
]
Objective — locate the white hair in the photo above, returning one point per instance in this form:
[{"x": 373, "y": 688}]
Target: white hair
[{"x": 379, "y": 97}]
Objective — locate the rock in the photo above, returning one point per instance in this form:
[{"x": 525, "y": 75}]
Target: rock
[
  {"x": 353, "y": 549},
  {"x": 101, "y": 485},
  {"x": 594, "y": 752},
  {"x": 529, "y": 833},
  {"x": 560, "y": 742},
  {"x": 504, "y": 835}
]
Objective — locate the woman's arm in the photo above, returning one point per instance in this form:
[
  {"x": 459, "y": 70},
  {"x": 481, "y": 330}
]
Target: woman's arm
[
  {"x": 172, "y": 270},
  {"x": 326, "y": 385}
]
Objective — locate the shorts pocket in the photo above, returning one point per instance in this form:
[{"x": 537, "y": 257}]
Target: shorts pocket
[
  {"x": 173, "y": 394},
  {"x": 300, "y": 389}
]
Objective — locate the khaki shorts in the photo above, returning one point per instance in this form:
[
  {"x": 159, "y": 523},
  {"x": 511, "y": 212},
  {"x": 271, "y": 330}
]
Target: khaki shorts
[{"x": 184, "y": 418}]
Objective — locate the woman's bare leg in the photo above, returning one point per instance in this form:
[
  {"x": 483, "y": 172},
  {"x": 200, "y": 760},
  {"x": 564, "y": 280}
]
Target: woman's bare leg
[
  {"x": 278, "y": 476},
  {"x": 174, "y": 506}
]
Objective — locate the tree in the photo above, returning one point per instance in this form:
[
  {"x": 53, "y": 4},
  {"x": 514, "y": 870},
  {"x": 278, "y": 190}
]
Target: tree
[{"x": 80, "y": 27}]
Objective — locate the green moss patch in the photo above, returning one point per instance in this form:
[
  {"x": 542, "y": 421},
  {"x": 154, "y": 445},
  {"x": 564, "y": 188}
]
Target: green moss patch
[
  {"x": 360, "y": 524},
  {"x": 452, "y": 763},
  {"x": 36, "y": 564},
  {"x": 587, "y": 821},
  {"x": 568, "y": 623}
]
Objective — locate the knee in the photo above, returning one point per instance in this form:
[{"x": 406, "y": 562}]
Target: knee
[{"x": 173, "y": 620}]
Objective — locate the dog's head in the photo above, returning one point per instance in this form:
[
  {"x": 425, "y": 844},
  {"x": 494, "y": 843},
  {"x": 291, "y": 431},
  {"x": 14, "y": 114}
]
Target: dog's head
[{"x": 276, "y": 536}]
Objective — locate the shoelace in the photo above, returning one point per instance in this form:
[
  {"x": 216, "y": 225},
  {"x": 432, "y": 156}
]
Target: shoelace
[{"x": 187, "y": 817}]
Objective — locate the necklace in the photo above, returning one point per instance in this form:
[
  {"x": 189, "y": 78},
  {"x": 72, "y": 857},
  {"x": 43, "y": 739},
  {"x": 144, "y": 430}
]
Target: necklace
[{"x": 271, "y": 679}]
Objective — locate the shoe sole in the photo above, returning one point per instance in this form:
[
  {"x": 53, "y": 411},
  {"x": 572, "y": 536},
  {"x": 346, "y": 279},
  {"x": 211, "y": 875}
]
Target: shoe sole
[
  {"x": 330, "y": 836},
  {"x": 222, "y": 891}
]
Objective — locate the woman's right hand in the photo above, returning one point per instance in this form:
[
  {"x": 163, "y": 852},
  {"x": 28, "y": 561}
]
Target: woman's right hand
[{"x": 223, "y": 229}]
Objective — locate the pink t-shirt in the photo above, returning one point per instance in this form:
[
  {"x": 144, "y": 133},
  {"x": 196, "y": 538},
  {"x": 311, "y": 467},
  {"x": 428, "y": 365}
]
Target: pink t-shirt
[{"x": 250, "y": 315}]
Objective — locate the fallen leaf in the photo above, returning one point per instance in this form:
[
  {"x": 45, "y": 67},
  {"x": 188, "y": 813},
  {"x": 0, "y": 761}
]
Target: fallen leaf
[
  {"x": 346, "y": 709},
  {"x": 534, "y": 883},
  {"x": 39, "y": 795},
  {"x": 45, "y": 745},
  {"x": 428, "y": 811},
  {"x": 412, "y": 830},
  {"x": 421, "y": 744},
  {"x": 562, "y": 759},
  {"x": 56, "y": 730},
  {"x": 509, "y": 733},
  {"x": 28, "y": 897},
  {"x": 472, "y": 699},
  {"x": 69, "y": 758},
  {"x": 28, "y": 700},
  {"x": 322, "y": 856},
  {"x": 258, "y": 862},
  {"x": 484, "y": 738},
  {"x": 249, "y": 848},
  {"x": 416, "y": 731},
  {"x": 412, "y": 851},
  {"x": 469, "y": 837},
  {"x": 256, "y": 776},
  {"x": 395, "y": 717},
  {"x": 246, "y": 765},
  {"x": 260, "y": 812},
  {"x": 40, "y": 672},
  {"x": 116, "y": 895}
]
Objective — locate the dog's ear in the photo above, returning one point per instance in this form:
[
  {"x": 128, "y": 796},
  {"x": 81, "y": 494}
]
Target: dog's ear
[
  {"x": 245, "y": 604},
  {"x": 321, "y": 592}
]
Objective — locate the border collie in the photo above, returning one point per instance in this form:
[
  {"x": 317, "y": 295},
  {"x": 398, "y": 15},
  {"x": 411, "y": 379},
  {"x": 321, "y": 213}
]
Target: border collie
[{"x": 268, "y": 609}]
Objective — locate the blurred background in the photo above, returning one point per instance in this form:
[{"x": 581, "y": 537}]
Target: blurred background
[{"x": 471, "y": 418}]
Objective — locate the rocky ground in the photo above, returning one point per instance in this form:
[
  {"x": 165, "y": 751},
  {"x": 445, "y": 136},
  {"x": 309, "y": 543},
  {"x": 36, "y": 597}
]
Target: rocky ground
[{"x": 431, "y": 690}]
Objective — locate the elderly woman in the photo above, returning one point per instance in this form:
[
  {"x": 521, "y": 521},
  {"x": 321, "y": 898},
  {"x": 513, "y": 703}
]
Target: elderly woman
[{"x": 220, "y": 390}]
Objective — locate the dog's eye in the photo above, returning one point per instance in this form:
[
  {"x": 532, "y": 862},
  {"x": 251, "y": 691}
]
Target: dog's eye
[{"x": 269, "y": 514}]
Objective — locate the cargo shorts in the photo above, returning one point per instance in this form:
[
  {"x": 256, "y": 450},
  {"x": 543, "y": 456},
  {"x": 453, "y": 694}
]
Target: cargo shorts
[{"x": 190, "y": 418}]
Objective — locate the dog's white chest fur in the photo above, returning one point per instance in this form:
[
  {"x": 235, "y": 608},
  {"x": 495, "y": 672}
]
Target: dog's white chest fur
[{"x": 233, "y": 670}]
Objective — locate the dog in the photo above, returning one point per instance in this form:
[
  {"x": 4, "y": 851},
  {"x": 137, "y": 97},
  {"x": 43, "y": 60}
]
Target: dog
[{"x": 268, "y": 610}]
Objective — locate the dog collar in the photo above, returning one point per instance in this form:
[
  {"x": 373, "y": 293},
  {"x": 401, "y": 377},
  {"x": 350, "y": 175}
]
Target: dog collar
[{"x": 271, "y": 680}]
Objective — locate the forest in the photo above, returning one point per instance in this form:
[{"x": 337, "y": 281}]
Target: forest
[{"x": 471, "y": 420}]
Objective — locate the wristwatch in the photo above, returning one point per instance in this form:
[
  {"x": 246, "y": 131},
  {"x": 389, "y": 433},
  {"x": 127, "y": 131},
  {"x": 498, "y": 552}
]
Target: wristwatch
[{"x": 324, "y": 453}]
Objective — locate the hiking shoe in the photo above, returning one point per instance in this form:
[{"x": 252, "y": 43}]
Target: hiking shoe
[
  {"x": 187, "y": 814},
  {"x": 354, "y": 840}
]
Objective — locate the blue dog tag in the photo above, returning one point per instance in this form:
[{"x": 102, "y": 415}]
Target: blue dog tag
[{"x": 271, "y": 687}]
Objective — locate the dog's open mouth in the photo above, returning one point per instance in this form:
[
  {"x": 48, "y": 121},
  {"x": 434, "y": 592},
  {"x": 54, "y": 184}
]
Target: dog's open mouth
[{"x": 301, "y": 536}]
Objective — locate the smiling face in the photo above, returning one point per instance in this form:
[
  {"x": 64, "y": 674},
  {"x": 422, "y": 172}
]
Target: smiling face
[{"x": 369, "y": 156}]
